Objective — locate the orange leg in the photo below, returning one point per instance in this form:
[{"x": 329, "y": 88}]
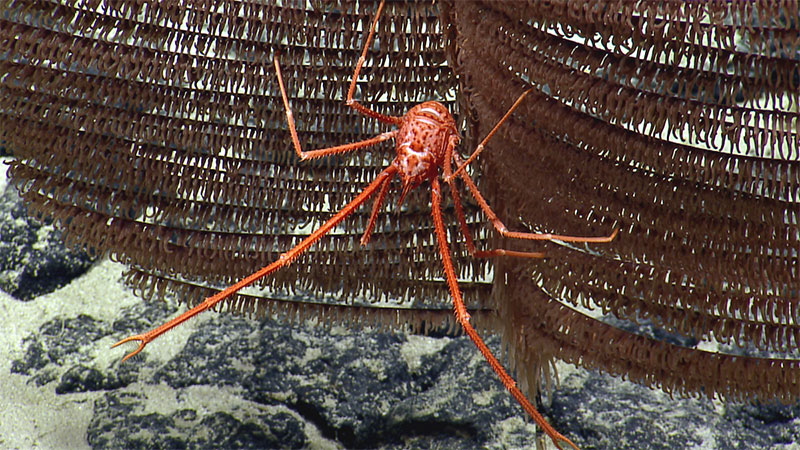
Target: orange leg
[
  {"x": 501, "y": 228},
  {"x": 351, "y": 91},
  {"x": 284, "y": 260},
  {"x": 496, "y": 222},
  {"x": 465, "y": 229},
  {"x": 463, "y": 318},
  {"x": 485, "y": 140},
  {"x": 325, "y": 151},
  {"x": 449, "y": 175},
  {"x": 376, "y": 207},
  {"x": 471, "y": 244}
]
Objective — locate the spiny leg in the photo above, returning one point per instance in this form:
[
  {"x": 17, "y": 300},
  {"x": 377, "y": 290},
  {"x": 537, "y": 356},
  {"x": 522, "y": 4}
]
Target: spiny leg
[
  {"x": 496, "y": 222},
  {"x": 376, "y": 207},
  {"x": 463, "y": 220},
  {"x": 324, "y": 151},
  {"x": 284, "y": 260},
  {"x": 501, "y": 228},
  {"x": 351, "y": 91},
  {"x": 463, "y": 318},
  {"x": 482, "y": 145},
  {"x": 287, "y": 257},
  {"x": 468, "y": 238}
]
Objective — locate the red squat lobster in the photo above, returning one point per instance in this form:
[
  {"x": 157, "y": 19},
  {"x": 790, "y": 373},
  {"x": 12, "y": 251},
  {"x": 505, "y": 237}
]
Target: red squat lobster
[{"x": 425, "y": 137}]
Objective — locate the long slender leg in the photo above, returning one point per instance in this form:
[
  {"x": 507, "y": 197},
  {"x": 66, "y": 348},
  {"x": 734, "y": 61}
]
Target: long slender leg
[
  {"x": 471, "y": 244},
  {"x": 354, "y": 104},
  {"x": 324, "y": 151},
  {"x": 501, "y": 228},
  {"x": 376, "y": 207},
  {"x": 485, "y": 140},
  {"x": 496, "y": 222},
  {"x": 284, "y": 260},
  {"x": 450, "y": 153},
  {"x": 463, "y": 318}
]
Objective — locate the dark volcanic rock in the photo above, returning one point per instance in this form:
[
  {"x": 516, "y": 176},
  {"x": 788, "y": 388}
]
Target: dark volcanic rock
[
  {"x": 356, "y": 388},
  {"x": 239, "y": 383},
  {"x": 33, "y": 259}
]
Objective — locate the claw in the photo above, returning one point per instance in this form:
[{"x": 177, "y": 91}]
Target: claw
[
  {"x": 139, "y": 337},
  {"x": 561, "y": 439}
]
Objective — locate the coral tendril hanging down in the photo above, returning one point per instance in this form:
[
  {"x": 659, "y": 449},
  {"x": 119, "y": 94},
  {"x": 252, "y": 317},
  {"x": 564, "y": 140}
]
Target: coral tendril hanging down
[{"x": 426, "y": 138}]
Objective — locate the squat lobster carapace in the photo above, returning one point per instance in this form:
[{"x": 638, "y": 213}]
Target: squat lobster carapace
[{"x": 425, "y": 141}]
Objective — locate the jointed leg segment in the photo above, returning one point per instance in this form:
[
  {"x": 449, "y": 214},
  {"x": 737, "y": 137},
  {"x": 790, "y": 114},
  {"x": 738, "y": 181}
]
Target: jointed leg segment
[
  {"x": 382, "y": 182},
  {"x": 496, "y": 222},
  {"x": 376, "y": 207},
  {"x": 351, "y": 91},
  {"x": 501, "y": 228},
  {"x": 463, "y": 318},
  {"x": 465, "y": 229},
  {"x": 484, "y": 205},
  {"x": 284, "y": 260},
  {"x": 310, "y": 154},
  {"x": 482, "y": 145}
]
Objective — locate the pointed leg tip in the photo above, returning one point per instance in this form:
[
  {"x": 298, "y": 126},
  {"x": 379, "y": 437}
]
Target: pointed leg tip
[
  {"x": 130, "y": 355},
  {"x": 127, "y": 339},
  {"x": 135, "y": 337},
  {"x": 571, "y": 444},
  {"x": 559, "y": 439}
]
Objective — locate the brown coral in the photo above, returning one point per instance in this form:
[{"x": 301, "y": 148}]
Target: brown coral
[{"x": 156, "y": 134}]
